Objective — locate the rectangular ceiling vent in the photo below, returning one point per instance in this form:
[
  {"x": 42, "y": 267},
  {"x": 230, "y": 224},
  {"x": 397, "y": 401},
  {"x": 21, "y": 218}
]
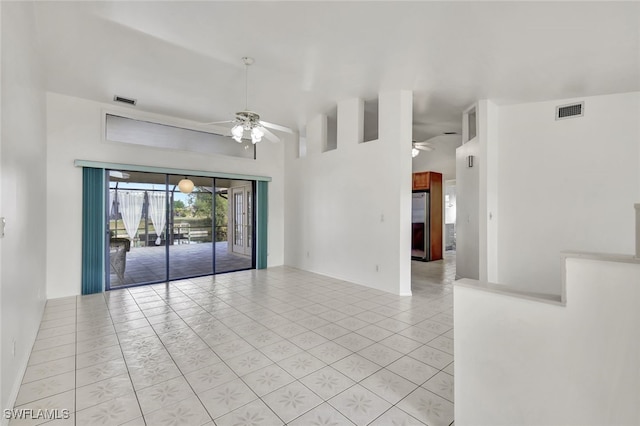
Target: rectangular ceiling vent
[
  {"x": 570, "y": 111},
  {"x": 124, "y": 100}
]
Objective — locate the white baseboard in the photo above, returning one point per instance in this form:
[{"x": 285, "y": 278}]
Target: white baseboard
[{"x": 15, "y": 389}]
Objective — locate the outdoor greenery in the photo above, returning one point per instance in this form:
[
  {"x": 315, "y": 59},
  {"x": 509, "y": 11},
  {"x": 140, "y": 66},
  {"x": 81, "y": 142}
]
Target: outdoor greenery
[
  {"x": 199, "y": 204},
  {"x": 179, "y": 209},
  {"x": 196, "y": 213},
  {"x": 221, "y": 223}
]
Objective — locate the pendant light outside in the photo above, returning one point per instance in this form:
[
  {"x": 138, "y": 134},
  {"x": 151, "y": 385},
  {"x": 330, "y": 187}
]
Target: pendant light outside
[{"x": 186, "y": 186}]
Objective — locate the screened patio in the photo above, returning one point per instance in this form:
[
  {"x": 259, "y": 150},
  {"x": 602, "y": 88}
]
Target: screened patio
[
  {"x": 160, "y": 231},
  {"x": 148, "y": 264}
]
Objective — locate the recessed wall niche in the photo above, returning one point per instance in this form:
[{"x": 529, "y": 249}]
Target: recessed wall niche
[
  {"x": 370, "y": 120},
  {"x": 469, "y": 124},
  {"x": 332, "y": 130},
  {"x": 302, "y": 143}
]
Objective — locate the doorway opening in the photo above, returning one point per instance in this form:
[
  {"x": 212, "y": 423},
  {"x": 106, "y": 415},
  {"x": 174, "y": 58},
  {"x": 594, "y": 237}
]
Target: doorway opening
[
  {"x": 450, "y": 209},
  {"x": 156, "y": 233}
]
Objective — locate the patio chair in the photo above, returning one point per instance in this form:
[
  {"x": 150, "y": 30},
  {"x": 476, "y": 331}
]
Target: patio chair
[{"x": 118, "y": 259}]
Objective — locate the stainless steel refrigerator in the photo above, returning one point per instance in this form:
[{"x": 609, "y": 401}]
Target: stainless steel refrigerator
[{"x": 420, "y": 226}]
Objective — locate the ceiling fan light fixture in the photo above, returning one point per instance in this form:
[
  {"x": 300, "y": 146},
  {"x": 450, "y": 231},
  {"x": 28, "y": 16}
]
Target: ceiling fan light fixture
[
  {"x": 250, "y": 121},
  {"x": 237, "y": 132},
  {"x": 414, "y": 152},
  {"x": 256, "y": 134}
]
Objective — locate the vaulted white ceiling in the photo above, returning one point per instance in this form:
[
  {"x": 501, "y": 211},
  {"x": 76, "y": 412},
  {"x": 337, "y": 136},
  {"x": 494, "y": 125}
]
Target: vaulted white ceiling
[{"x": 183, "y": 58}]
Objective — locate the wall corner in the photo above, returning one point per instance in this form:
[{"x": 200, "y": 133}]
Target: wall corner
[
  {"x": 316, "y": 135},
  {"x": 637, "y": 206},
  {"x": 350, "y": 122}
]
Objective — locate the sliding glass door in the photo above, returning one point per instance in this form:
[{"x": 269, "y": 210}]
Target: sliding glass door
[
  {"x": 158, "y": 233},
  {"x": 191, "y": 224},
  {"x": 234, "y": 218},
  {"x": 137, "y": 211}
]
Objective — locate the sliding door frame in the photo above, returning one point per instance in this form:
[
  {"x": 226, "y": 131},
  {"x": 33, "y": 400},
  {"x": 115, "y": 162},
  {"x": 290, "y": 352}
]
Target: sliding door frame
[{"x": 95, "y": 250}]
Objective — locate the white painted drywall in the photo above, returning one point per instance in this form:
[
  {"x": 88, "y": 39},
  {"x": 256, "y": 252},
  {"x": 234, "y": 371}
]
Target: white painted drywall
[
  {"x": 468, "y": 205},
  {"x": 522, "y": 362},
  {"x": 349, "y": 209},
  {"x": 442, "y": 159},
  {"x": 23, "y": 194},
  {"x": 487, "y": 114},
  {"x": 74, "y": 129},
  {"x": 637, "y": 207},
  {"x": 565, "y": 185},
  {"x": 316, "y": 135}
]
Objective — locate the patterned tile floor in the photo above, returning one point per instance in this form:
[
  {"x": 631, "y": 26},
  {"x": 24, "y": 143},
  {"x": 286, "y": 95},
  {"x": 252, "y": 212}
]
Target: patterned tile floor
[{"x": 269, "y": 347}]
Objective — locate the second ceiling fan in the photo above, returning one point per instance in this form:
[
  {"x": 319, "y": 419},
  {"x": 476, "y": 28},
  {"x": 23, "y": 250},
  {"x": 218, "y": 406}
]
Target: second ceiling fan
[
  {"x": 249, "y": 121},
  {"x": 416, "y": 147}
]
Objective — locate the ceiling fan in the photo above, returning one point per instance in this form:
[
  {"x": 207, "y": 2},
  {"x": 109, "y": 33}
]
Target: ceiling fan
[
  {"x": 249, "y": 121},
  {"x": 416, "y": 147}
]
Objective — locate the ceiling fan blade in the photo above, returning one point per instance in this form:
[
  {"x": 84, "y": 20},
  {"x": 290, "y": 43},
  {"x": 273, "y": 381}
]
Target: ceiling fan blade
[
  {"x": 218, "y": 122},
  {"x": 270, "y": 136},
  {"x": 277, "y": 127},
  {"x": 424, "y": 148}
]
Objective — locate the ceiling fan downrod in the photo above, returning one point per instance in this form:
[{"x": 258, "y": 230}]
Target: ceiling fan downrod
[{"x": 247, "y": 62}]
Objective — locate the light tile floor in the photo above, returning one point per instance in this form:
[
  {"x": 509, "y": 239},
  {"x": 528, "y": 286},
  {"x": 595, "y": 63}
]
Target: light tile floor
[{"x": 268, "y": 347}]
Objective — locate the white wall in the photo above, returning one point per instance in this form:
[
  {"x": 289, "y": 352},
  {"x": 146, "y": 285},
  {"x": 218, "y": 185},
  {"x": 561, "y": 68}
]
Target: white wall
[
  {"x": 637, "y": 207},
  {"x": 349, "y": 210},
  {"x": 468, "y": 205},
  {"x": 565, "y": 185},
  {"x": 23, "y": 195},
  {"x": 488, "y": 139},
  {"x": 524, "y": 362},
  {"x": 442, "y": 159},
  {"x": 74, "y": 129},
  {"x": 477, "y": 254}
]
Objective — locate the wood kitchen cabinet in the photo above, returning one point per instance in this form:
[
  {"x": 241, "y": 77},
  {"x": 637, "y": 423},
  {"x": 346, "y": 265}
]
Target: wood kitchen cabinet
[{"x": 422, "y": 180}]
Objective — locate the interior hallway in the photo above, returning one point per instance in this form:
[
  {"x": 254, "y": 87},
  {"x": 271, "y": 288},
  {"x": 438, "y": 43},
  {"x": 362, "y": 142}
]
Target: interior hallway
[
  {"x": 275, "y": 346},
  {"x": 434, "y": 278}
]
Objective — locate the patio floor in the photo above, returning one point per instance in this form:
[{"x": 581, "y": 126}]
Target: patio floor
[{"x": 148, "y": 264}]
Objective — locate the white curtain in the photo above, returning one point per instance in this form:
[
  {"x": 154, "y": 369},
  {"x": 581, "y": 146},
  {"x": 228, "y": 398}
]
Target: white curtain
[
  {"x": 131, "y": 203},
  {"x": 112, "y": 197},
  {"x": 157, "y": 212}
]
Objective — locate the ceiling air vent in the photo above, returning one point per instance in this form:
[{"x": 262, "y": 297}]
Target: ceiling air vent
[
  {"x": 570, "y": 111},
  {"x": 124, "y": 100}
]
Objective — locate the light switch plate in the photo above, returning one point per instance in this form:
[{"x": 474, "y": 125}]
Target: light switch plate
[{"x": 3, "y": 222}]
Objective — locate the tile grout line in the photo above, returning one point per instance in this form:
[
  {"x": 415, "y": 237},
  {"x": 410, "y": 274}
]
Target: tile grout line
[
  {"x": 240, "y": 296},
  {"x": 75, "y": 362},
  {"x": 181, "y": 372},
  {"x": 124, "y": 358},
  {"x": 239, "y": 377}
]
